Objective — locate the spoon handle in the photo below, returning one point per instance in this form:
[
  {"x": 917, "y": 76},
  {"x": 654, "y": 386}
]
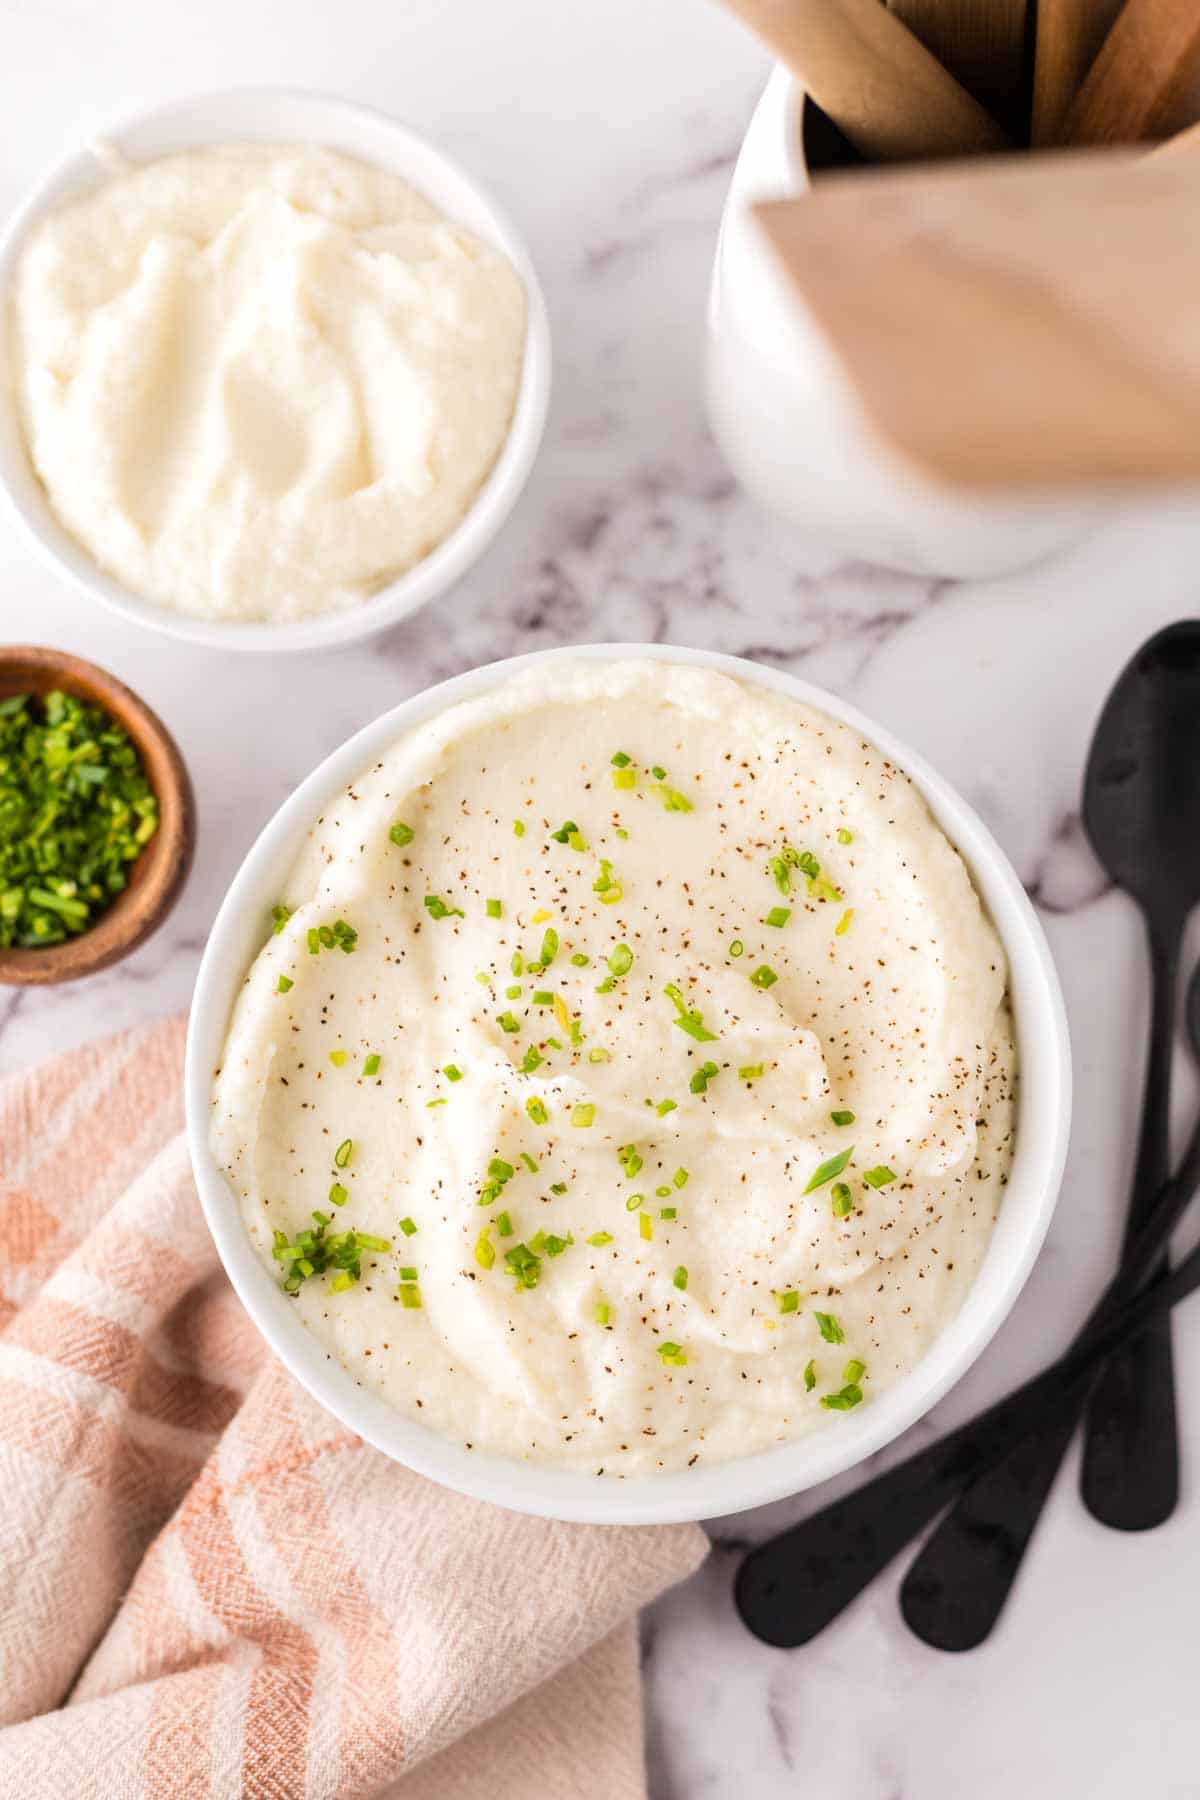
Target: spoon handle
[
  {"x": 960, "y": 1582},
  {"x": 1130, "y": 1473},
  {"x": 791, "y": 1587}
]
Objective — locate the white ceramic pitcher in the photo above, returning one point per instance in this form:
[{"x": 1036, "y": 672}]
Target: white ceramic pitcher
[{"x": 793, "y": 430}]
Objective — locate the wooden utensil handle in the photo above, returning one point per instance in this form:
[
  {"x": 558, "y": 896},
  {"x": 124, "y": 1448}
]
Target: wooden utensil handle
[
  {"x": 1145, "y": 81},
  {"x": 1069, "y": 36},
  {"x": 890, "y": 96},
  {"x": 982, "y": 43}
]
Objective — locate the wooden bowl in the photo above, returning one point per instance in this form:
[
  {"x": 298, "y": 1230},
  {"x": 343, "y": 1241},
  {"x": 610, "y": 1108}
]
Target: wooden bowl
[{"x": 157, "y": 875}]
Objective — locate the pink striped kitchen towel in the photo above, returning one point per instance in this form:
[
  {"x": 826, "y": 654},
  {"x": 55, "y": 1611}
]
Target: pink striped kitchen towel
[{"x": 207, "y": 1586}]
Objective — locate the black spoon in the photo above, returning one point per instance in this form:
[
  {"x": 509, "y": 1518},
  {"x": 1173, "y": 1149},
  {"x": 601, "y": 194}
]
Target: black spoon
[
  {"x": 791, "y": 1587},
  {"x": 1142, "y": 813}
]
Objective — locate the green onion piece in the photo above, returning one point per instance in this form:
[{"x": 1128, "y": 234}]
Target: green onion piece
[
  {"x": 788, "y": 1302},
  {"x": 440, "y": 1102},
  {"x": 549, "y": 947},
  {"x": 524, "y": 1265},
  {"x": 704, "y": 1074},
  {"x": 542, "y": 997},
  {"x": 598, "y": 1239},
  {"x": 518, "y": 828},
  {"x": 493, "y": 909},
  {"x": 844, "y": 836},
  {"x": 853, "y": 1371},
  {"x": 658, "y": 773},
  {"x": 843, "y": 1200},
  {"x": 620, "y": 760},
  {"x": 842, "y": 1118},
  {"x": 338, "y": 1058},
  {"x": 507, "y": 1023},
  {"x": 372, "y": 1064},
  {"x": 343, "y": 1153},
  {"x": 556, "y": 1245},
  {"x": 558, "y": 1187},
  {"x": 763, "y": 977},
  {"x": 438, "y": 909},
  {"x": 410, "y": 1295},
  {"x": 408, "y": 1227},
  {"x": 485, "y": 1250},
  {"x": 338, "y": 1195},
  {"x": 514, "y": 992},
  {"x": 750, "y": 1071},
  {"x": 279, "y": 918},
  {"x": 633, "y": 1202},
  {"x": 674, "y": 801},
  {"x": 531, "y": 1061},
  {"x": 621, "y": 960},
  {"x": 680, "y": 1278},
  {"x": 401, "y": 834},
  {"x": 778, "y": 917},
  {"x": 584, "y": 1114},
  {"x": 737, "y": 948},
  {"x": 848, "y": 1397},
  {"x": 689, "y": 1018},
  {"x": 666, "y": 1106},
  {"x": 603, "y": 1313},
  {"x": 680, "y": 1178},
  {"x": 624, "y": 778},
  {"x": 810, "y": 1376},
  {"x": 283, "y": 985},
  {"x": 342, "y": 1280},
  {"x": 531, "y": 1162},
  {"x": 537, "y": 1111},
  {"x": 580, "y": 960},
  {"x": 674, "y": 1354},
  {"x": 879, "y": 1177},
  {"x": 843, "y": 924},
  {"x": 646, "y": 1226},
  {"x": 667, "y": 1213},
  {"x": 827, "y": 1170},
  {"x": 829, "y": 1328},
  {"x": 504, "y": 1224},
  {"x": 599, "y": 1055},
  {"x": 408, "y": 1274},
  {"x": 630, "y": 1161}
]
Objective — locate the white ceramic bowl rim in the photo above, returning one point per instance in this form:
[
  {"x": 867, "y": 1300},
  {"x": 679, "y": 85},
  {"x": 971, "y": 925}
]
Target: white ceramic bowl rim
[
  {"x": 1041, "y": 1145},
  {"x": 283, "y": 114}
]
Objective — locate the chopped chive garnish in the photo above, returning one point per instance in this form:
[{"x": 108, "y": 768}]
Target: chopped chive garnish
[
  {"x": 750, "y": 1071},
  {"x": 667, "y": 1213},
  {"x": 827, "y": 1170},
  {"x": 537, "y": 1110},
  {"x": 853, "y": 1371},
  {"x": 659, "y": 774},
  {"x": 624, "y": 778},
  {"x": 558, "y": 1187},
  {"x": 531, "y": 1162},
  {"x": 410, "y": 1295},
  {"x": 583, "y": 1114},
  {"x": 606, "y": 883},
  {"x": 338, "y": 1195},
  {"x": 408, "y": 1227},
  {"x": 810, "y": 1376},
  {"x": 493, "y": 909},
  {"x": 843, "y": 924},
  {"x": 507, "y": 1023},
  {"x": 542, "y": 997},
  {"x": 846, "y": 1398},
  {"x": 452, "y": 1072},
  {"x": 646, "y": 1226},
  {"x": 844, "y": 836},
  {"x": 343, "y": 1153},
  {"x": 408, "y": 1274},
  {"x": 371, "y": 1064},
  {"x": 704, "y": 1074},
  {"x": 531, "y": 1060},
  {"x": 666, "y": 1106},
  {"x": 843, "y": 1200},
  {"x": 514, "y": 992},
  {"x": 620, "y": 760},
  {"x": 633, "y": 1202},
  {"x": 629, "y": 1160},
  {"x": 485, "y": 1250},
  {"x": 556, "y": 1245},
  {"x": 283, "y": 985},
  {"x": 829, "y": 1328},
  {"x": 565, "y": 832},
  {"x": 518, "y": 828},
  {"x": 504, "y": 1224},
  {"x": 580, "y": 960},
  {"x": 788, "y": 1302},
  {"x": 737, "y": 948},
  {"x": 602, "y": 1313},
  {"x": 549, "y": 947},
  {"x": 763, "y": 977},
  {"x": 680, "y": 1178},
  {"x": 598, "y": 1239},
  {"x": 674, "y": 801},
  {"x": 437, "y": 909},
  {"x": 279, "y": 918},
  {"x": 599, "y": 1055},
  {"x": 778, "y": 917},
  {"x": 338, "y": 1058},
  {"x": 401, "y": 833},
  {"x": 523, "y": 1265},
  {"x": 680, "y": 1278},
  {"x": 439, "y": 1102},
  {"x": 842, "y": 1118},
  {"x": 620, "y": 960},
  {"x": 689, "y": 1018},
  {"x": 674, "y": 1354},
  {"x": 877, "y": 1178}
]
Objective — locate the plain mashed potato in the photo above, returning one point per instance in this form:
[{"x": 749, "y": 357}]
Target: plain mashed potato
[
  {"x": 715, "y": 1032},
  {"x": 262, "y": 380}
]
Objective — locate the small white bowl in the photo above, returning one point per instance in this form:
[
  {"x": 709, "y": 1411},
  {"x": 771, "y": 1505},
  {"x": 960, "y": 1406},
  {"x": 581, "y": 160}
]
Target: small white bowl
[
  {"x": 240, "y": 114},
  {"x": 1041, "y": 1145}
]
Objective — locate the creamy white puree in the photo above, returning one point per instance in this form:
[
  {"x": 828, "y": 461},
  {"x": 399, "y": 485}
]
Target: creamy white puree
[
  {"x": 260, "y": 381},
  {"x": 900, "y": 1018}
]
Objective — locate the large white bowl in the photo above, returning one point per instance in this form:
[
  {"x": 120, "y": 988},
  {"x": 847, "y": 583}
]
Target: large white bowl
[
  {"x": 1041, "y": 1144},
  {"x": 239, "y": 114}
]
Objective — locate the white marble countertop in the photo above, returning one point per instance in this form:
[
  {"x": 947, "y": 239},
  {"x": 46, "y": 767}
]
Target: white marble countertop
[{"x": 609, "y": 132}]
